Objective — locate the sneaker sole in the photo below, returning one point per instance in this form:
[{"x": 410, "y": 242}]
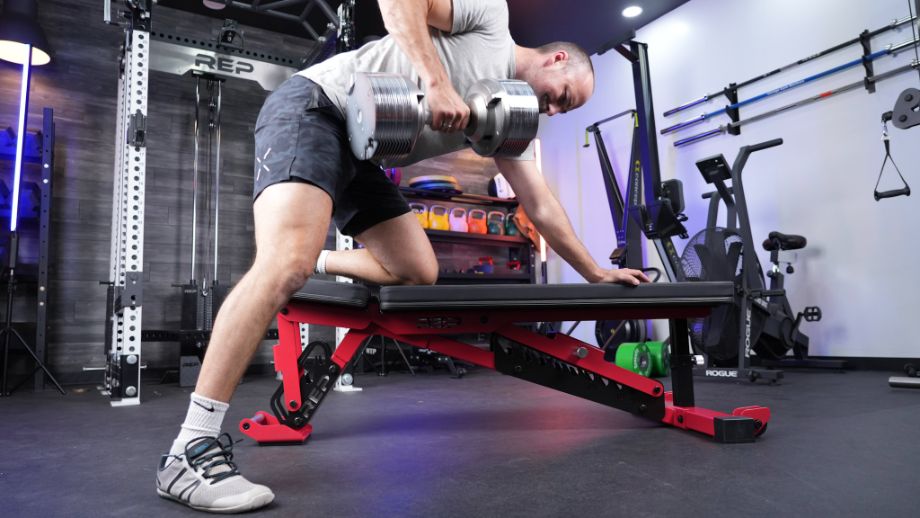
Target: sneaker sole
[{"x": 256, "y": 503}]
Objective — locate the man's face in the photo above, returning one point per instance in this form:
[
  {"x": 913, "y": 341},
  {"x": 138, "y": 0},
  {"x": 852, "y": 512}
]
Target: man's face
[{"x": 560, "y": 89}]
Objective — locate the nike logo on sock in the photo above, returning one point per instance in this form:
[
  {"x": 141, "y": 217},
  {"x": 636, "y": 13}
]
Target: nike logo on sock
[{"x": 209, "y": 409}]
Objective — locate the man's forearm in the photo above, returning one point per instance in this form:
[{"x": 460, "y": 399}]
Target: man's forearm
[
  {"x": 553, "y": 224},
  {"x": 407, "y": 22}
]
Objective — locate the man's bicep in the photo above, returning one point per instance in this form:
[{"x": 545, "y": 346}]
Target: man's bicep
[
  {"x": 441, "y": 14},
  {"x": 487, "y": 16}
]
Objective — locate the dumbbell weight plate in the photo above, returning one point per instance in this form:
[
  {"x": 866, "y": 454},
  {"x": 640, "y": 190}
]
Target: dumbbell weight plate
[
  {"x": 660, "y": 354},
  {"x": 433, "y": 178},
  {"x": 634, "y": 357},
  {"x": 504, "y": 117},
  {"x": 385, "y": 115}
]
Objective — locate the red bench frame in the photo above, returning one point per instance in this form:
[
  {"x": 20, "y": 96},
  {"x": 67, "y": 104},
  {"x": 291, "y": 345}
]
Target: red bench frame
[{"x": 428, "y": 330}]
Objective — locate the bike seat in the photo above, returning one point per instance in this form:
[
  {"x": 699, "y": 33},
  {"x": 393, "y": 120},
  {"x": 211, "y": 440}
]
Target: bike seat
[{"x": 780, "y": 241}]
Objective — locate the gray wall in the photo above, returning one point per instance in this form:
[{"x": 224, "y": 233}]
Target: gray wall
[{"x": 859, "y": 265}]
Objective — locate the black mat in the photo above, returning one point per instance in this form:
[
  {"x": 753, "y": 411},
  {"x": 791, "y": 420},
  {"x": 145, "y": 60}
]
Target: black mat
[{"x": 486, "y": 445}]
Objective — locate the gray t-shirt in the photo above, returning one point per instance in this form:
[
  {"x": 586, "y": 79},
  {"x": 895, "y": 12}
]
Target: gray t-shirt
[{"x": 478, "y": 46}]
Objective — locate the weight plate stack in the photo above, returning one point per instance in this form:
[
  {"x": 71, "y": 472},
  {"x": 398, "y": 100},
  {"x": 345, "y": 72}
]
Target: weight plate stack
[
  {"x": 634, "y": 357},
  {"x": 661, "y": 358},
  {"x": 504, "y": 117},
  {"x": 385, "y": 115}
]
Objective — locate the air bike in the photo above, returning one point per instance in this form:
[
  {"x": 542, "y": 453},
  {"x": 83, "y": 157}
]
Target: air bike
[{"x": 760, "y": 320}]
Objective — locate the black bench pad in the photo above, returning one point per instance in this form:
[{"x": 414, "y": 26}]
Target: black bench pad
[
  {"x": 548, "y": 296},
  {"x": 334, "y": 293},
  {"x": 498, "y": 297}
]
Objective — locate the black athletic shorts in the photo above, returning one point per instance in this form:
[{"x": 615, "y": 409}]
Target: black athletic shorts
[{"x": 301, "y": 136}]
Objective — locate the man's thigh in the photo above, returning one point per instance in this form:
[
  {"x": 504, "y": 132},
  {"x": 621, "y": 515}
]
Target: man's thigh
[
  {"x": 401, "y": 247},
  {"x": 291, "y": 223}
]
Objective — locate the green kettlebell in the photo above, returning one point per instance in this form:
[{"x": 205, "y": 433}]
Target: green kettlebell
[
  {"x": 510, "y": 228},
  {"x": 496, "y": 223}
]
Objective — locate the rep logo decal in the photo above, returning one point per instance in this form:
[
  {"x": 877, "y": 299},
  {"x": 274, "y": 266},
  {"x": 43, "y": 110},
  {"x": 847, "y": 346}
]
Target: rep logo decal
[{"x": 222, "y": 64}]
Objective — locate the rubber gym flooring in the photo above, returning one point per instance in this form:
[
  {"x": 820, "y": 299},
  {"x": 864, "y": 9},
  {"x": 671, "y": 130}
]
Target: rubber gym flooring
[{"x": 839, "y": 444}]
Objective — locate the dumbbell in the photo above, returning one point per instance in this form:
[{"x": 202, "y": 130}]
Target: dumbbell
[{"x": 387, "y": 112}]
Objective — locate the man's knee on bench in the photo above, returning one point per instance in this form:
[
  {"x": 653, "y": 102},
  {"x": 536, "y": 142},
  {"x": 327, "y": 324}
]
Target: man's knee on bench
[
  {"x": 285, "y": 274},
  {"x": 416, "y": 274}
]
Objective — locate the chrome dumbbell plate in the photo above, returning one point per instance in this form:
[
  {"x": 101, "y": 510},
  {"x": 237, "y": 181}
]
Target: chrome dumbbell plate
[
  {"x": 504, "y": 117},
  {"x": 385, "y": 115}
]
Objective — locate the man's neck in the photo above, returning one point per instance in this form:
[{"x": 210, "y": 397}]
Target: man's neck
[{"x": 523, "y": 60}]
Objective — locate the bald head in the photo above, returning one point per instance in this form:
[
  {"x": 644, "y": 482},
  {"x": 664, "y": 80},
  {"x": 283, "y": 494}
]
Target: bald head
[
  {"x": 578, "y": 60},
  {"x": 560, "y": 73}
]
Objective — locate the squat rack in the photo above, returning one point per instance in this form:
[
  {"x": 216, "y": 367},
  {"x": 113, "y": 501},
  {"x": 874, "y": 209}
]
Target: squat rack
[{"x": 142, "y": 51}]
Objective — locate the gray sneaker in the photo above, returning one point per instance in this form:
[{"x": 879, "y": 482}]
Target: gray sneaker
[{"x": 205, "y": 478}]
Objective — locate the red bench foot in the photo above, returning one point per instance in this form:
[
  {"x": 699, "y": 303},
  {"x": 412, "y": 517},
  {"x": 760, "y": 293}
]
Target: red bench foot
[{"x": 264, "y": 428}]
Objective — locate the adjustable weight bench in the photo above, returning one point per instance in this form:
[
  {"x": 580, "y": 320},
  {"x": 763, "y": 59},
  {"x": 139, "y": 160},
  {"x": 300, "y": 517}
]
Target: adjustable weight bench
[{"x": 425, "y": 316}]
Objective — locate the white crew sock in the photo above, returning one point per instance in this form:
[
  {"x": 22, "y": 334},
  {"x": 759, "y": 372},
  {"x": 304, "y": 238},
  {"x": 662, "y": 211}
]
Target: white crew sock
[
  {"x": 203, "y": 419},
  {"x": 321, "y": 262}
]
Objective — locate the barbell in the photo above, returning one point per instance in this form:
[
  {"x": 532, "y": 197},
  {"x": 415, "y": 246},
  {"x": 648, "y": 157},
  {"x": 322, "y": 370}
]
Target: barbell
[{"x": 387, "y": 112}]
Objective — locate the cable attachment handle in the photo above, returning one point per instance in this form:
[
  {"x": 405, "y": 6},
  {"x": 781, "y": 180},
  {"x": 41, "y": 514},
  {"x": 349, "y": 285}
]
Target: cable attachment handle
[{"x": 904, "y": 191}]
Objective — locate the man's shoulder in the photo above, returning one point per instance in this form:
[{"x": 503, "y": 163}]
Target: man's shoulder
[{"x": 487, "y": 16}]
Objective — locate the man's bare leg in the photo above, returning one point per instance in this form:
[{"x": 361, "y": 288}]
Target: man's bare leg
[
  {"x": 397, "y": 252},
  {"x": 291, "y": 222}
]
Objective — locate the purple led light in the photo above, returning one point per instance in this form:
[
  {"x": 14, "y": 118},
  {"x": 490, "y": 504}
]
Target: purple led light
[{"x": 21, "y": 135}]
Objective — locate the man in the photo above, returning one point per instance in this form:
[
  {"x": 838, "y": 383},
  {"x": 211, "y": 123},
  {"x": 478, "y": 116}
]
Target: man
[{"x": 306, "y": 177}]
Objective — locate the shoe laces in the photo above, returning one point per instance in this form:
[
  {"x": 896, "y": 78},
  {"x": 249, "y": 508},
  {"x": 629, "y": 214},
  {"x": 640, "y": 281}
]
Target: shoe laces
[{"x": 213, "y": 456}]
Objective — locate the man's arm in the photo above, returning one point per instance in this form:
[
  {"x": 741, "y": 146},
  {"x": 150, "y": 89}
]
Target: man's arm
[
  {"x": 553, "y": 223},
  {"x": 408, "y": 21}
]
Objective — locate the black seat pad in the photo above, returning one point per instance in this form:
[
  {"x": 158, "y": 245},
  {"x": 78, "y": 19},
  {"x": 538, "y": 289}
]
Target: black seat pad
[
  {"x": 780, "y": 241},
  {"x": 546, "y": 296},
  {"x": 335, "y": 293}
]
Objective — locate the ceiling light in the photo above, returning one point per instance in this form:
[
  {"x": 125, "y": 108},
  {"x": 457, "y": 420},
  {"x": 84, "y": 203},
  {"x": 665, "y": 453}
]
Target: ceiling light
[
  {"x": 216, "y": 5},
  {"x": 632, "y": 11}
]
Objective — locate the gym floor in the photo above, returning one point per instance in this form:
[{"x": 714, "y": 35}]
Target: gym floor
[{"x": 839, "y": 444}]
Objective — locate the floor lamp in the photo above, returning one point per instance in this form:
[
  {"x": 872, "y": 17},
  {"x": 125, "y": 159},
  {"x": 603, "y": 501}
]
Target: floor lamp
[{"x": 22, "y": 41}]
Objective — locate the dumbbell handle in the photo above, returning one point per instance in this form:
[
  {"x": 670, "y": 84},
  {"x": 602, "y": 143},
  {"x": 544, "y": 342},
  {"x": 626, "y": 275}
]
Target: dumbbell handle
[
  {"x": 472, "y": 123},
  {"x": 481, "y": 119}
]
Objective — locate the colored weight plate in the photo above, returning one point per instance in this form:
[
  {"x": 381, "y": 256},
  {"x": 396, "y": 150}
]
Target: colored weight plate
[
  {"x": 416, "y": 181},
  {"x": 433, "y": 178},
  {"x": 435, "y": 185},
  {"x": 442, "y": 193},
  {"x": 634, "y": 357},
  {"x": 661, "y": 358},
  {"x": 446, "y": 179},
  {"x": 422, "y": 185}
]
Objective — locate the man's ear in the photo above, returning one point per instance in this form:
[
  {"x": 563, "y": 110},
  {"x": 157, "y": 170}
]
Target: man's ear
[{"x": 559, "y": 56}]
